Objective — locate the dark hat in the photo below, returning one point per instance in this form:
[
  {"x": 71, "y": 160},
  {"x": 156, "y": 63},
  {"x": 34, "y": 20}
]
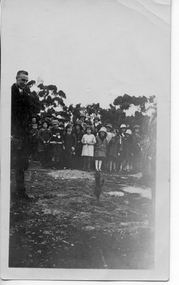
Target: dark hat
[
  {"x": 45, "y": 121},
  {"x": 96, "y": 118},
  {"x": 78, "y": 122},
  {"x": 109, "y": 126},
  {"x": 68, "y": 126},
  {"x": 55, "y": 122},
  {"x": 88, "y": 127},
  {"x": 61, "y": 124}
]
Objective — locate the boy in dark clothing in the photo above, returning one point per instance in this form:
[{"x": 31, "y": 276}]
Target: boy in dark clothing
[
  {"x": 114, "y": 148},
  {"x": 44, "y": 136},
  {"x": 78, "y": 134},
  {"x": 69, "y": 143},
  {"x": 57, "y": 142},
  {"x": 34, "y": 142}
]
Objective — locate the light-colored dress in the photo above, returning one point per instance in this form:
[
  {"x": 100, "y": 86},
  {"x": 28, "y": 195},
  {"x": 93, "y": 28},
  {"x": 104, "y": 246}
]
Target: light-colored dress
[{"x": 88, "y": 142}]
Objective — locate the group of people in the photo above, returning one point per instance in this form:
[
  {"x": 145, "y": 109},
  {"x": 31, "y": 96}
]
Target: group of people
[
  {"x": 57, "y": 145},
  {"x": 85, "y": 146}
]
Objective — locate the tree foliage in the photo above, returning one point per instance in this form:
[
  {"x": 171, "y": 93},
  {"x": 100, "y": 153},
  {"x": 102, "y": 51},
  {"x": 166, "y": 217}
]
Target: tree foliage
[{"x": 125, "y": 101}]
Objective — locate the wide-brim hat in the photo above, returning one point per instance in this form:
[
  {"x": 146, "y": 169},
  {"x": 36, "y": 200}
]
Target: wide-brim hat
[
  {"x": 103, "y": 129},
  {"x": 123, "y": 126},
  {"x": 129, "y": 132},
  {"x": 136, "y": 127},
  {"x": 78, "y": 122},
  {"x": 109, "y": 126},
  {"x": 61, "y": 124},
  {"x": 55, "y": 122}
]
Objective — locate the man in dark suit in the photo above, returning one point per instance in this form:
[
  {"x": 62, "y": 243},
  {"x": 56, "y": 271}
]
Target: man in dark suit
[{"x": 20, "y": 119}]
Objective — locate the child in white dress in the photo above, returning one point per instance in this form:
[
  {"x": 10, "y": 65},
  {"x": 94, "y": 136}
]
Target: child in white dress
[{"x": 88, "y": 141}]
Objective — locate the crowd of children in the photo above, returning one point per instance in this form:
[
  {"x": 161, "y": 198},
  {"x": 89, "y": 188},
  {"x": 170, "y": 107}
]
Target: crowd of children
[{"x": 85, "y": 146}]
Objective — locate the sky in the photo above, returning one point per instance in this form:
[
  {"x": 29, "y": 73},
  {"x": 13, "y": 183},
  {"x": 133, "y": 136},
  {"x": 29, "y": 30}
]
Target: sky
[{"x": 93, "y": 50}]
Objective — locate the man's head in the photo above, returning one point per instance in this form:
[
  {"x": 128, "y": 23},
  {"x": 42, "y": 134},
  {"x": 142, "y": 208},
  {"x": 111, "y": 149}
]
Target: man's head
[{"x": 21, "y": 78}]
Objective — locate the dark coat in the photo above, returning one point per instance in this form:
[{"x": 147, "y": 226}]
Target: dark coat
[
  {"x": 44, "y": 137},
  {"x": 69, "y": 142},
  {"x": 78, "y": 144},
  {"x": 20, "y": 129},
  {"x": 20, "y": 113},
  {"x": 114, "y": 147}
]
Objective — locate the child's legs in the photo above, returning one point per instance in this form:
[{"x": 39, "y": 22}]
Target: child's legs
[
  {"x": 85, "y": 162},
  {"x": 97, "y": 164},
  {"x": 110, "y": 164},
  {"x": 89, "y": 162},
  {"x": 100, "y": 164},
  {"x": 41, "y": 155},
  {"x": 68, "y": 160}
]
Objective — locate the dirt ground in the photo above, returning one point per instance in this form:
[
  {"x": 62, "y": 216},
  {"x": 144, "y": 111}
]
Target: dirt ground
[{"x": 64, "y": 226}]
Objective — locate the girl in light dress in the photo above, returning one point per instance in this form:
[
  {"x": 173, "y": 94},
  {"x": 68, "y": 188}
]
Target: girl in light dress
[{"x": 88, "y": 141}]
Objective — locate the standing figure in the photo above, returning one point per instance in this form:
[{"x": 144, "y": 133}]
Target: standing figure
[
  {"x": 69, "y": 143},
  {"x": 78, "y": 134},
  {"x": 20, "y": 122},
  {"x": 44, "y": 136},
  {"x": 110, "y": 134},
  {"x": 57, "y": 143},
  {"x": 100, "y": 148},
  {"x": 96, "y": 125},
  {"x": 83, "y": 122},
  {"x": 34, "y": 142},
  {"x": 114, "y": 148},
  {"x": 127, "y": 151},
  {"x": 122, "y": 130},
  {"x": 88, "y": 141},
  {"x": 137, "y": 150}
]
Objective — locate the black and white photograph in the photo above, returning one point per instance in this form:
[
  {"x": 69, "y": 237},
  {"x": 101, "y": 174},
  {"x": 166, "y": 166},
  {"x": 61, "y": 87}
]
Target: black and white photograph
[{"x": 85, "y": 139}]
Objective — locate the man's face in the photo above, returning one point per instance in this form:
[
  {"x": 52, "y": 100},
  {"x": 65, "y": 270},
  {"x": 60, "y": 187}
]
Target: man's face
[{"x": 21, "y": 80}]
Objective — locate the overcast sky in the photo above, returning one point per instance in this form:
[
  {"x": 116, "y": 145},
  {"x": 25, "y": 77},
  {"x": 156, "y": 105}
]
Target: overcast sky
[{"x": 93, "y": 50}]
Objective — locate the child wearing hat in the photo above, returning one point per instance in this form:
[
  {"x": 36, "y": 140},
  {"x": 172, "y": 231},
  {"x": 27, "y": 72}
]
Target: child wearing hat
[
  {"x": 100, "y": 148},
  {"x": 57, "y": 145},
  {"x": 33, "y": 139},
  {"x": 110, "y": 133},
  {"x": 114, "y": 148},
  {"x": 82, "y": 120},
  {"x": 69, "y": 146},
  {"x": 77, "y": 135},
  {"x": 44, "y": 136},
  {"x": 88, "y": 141},
  {"x": 122, "y": 130},
  {"x": 127, "y": 151},
  {"x": 96, "y": 125}
]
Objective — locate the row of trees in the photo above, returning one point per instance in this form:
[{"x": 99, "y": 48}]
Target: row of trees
[{"x": 47, "y": 100}]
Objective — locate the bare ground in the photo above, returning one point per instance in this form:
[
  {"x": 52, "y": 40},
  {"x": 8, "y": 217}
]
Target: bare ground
[{"x": 64, "y": 226}]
